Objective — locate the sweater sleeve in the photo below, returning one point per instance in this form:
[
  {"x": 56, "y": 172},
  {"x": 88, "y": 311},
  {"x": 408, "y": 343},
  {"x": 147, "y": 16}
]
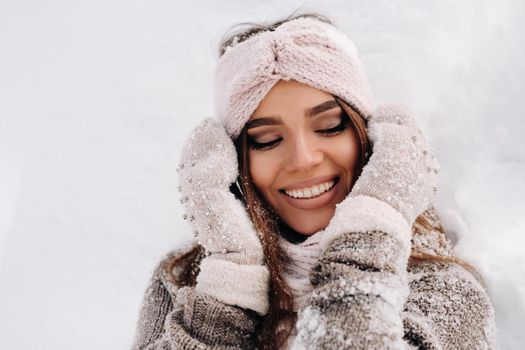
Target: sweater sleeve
[
  {"x": 184, "y": 318},
  {"x": 447, "y": 308},
  {"x": 156, "y": 304},
  {"x": 365, "y": 298}
]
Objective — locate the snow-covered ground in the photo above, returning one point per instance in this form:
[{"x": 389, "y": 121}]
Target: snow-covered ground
[{"x": 97, "y": 97}]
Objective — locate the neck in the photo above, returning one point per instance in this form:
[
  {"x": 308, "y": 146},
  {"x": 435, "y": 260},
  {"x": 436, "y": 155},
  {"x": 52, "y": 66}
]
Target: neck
[{"x": 290, "y": 234}]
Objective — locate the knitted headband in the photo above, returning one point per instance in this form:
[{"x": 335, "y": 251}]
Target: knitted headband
[{"x": 305, "y": 50}]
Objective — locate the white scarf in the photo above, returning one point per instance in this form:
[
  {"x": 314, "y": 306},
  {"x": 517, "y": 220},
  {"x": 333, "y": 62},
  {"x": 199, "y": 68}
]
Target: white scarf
[{"x": 296, "y": 274}]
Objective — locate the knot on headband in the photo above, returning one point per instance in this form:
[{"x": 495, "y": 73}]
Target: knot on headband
[{"x": 305, "y": 50}]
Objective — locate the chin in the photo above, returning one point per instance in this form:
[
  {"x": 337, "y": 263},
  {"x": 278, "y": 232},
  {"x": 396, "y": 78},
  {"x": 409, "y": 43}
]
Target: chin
[{"x": 308, "y": 229}]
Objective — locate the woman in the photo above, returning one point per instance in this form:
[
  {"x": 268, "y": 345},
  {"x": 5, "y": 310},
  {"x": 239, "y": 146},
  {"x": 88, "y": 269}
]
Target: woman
[{"x": 312, "y": 212}]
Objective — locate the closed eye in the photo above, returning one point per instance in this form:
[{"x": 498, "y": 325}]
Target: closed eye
[
  {"x": 268, "y": 145},
  {"x": 262, "y": 146},
  {"x": 336, "y": 129}
]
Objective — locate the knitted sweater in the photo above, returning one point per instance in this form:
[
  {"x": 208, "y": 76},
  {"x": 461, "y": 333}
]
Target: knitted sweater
[{"x": 446, "y": 308}]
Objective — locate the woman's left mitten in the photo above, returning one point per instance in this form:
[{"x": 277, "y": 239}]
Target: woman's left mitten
[{"x": 402, "y": 170}]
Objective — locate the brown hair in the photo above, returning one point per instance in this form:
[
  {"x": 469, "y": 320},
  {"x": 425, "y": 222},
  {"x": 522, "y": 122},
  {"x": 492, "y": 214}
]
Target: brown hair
[{"x": 278, "y": 323}]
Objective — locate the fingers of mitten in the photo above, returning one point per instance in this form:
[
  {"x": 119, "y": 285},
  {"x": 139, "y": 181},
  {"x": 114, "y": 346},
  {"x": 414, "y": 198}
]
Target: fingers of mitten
[
  {"x": 393, "y": 113},
  {"x": 238, "y": 243},
  {"x": 402, "y": 170},
  {"x": 222, "y": 226},
  {"x": 209, "y": 157}
]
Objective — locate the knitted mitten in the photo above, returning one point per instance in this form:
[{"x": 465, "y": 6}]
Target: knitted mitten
[
  {"x": 233, "y": 271},
  {"x": 399, "y": 177},
  {"x": 402, "y": 170}
]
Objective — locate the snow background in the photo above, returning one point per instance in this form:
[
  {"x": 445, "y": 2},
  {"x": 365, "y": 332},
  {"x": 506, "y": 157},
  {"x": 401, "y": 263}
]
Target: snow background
[{"x": 97, "y": 98}]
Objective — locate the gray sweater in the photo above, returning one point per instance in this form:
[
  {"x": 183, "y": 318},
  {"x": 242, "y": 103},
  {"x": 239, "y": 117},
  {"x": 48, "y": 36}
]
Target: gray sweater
[{"x": 446, "y": 307}]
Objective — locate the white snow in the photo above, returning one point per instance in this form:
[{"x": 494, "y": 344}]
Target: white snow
[
  {"x": 310, "y": 329},
  {"x": 96, "y": 98}
]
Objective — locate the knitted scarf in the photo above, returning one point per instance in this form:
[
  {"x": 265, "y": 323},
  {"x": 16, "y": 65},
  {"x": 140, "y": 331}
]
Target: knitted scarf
[{"x": 296, "y": 273}]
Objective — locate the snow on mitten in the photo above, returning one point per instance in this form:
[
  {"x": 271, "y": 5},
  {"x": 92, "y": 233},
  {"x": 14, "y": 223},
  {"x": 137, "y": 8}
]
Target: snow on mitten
[{"x": 233, "y": 270}]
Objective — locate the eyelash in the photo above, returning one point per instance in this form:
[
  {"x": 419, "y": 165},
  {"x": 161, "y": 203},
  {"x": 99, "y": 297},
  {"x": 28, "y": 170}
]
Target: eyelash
[{"x": 331, "y": 132}]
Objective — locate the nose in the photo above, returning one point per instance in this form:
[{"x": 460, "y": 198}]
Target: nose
[{"x": 304, "y": 154}]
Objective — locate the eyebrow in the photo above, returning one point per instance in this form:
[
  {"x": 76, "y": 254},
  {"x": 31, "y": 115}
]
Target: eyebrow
[{"x": 311, "y": 112}]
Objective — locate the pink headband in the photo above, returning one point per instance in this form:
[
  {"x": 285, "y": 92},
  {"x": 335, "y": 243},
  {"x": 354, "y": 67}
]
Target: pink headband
[{"x": 305, "y": 50}]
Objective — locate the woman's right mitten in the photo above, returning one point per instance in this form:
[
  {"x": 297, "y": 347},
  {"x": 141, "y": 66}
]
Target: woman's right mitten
[{"x": 233, "y": 270}]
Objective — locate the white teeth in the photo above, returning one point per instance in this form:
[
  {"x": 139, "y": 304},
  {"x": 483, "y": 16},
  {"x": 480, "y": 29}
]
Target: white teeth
[{"x": 313, "y": 191}]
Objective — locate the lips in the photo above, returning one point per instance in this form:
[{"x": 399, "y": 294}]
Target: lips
[
  {"x": 314, "y": 202},
  {"x": 308, "y": 183},
  {"x": 313, "y": 191}
]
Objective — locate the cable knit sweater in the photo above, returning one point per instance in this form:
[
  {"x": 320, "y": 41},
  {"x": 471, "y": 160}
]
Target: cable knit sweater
[{"x": 447, "y": 308}]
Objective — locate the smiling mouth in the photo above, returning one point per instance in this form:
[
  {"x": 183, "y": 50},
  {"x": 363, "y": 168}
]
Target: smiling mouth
[{"x": 312, "y": 191}]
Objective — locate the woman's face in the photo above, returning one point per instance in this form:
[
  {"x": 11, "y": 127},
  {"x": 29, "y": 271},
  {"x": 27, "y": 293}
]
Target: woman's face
[{"x": 302, "y": 154}]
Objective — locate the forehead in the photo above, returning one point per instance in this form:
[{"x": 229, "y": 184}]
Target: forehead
[{"x": 290, "y": 97}]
